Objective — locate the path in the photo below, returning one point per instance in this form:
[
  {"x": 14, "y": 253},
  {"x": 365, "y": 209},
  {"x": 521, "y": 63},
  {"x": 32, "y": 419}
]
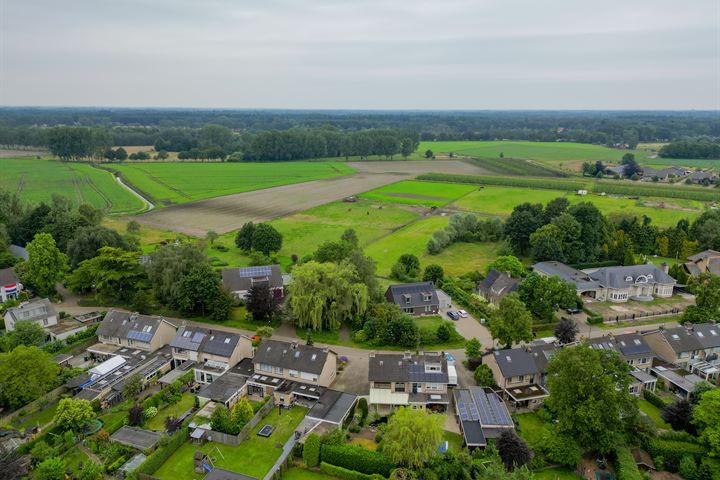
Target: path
[
  {"x": 305, "y": 425},
  {"x": 148, "y": 204}
]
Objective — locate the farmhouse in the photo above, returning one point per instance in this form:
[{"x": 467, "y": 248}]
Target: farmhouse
[
  {"x": 414, "y": 298},
  {"x": 10, "y": 286},
  {"x": 212, "y": 352},
  {"x": 481, "y": 414},
  {"x": 614, "y": 284},
  {"x": 703, "y": 262},
  {"x": 700, "y": 176},
  {"x": 142, "y": 332},
  {"x": 39, "y": 311},
  {"x": 239, "y": 281},
  {"x": 663, "y": 173},
  {"x": 419, "y": 381},
  {"x": 496, "y": 285}
]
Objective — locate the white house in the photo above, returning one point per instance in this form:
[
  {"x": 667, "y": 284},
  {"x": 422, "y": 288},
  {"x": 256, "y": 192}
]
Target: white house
[{"x": 40, "y": 311}]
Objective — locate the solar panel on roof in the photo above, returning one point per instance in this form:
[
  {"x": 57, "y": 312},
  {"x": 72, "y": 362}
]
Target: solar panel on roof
[
  {"x": 250, "y": 272},
  {"x": 197, "y": 338}
]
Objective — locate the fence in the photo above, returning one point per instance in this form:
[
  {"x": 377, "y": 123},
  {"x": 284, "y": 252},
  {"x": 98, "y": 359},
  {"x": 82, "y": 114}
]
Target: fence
[
  {"x": 625, "y": 317},
  {"x": 33, "y": 406},
  {"x": 234, "y": 440}
]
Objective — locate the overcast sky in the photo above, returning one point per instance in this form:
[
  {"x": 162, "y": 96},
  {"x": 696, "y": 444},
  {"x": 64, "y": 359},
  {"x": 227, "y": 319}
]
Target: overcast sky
[{"x": 369, "y": 54}]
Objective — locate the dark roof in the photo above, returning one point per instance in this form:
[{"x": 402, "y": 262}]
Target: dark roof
[
  {"x": 582, "y": 280},
  {"x": 708, "y": 334},
  {"x": 681, "y": 339},
  {"x": 7, "y": 276},
  {"x": 388, "y": 367},
  {"x": 498, "y": 283},
  {"x": 20, "y": 252},
  {"x": 630, "y": 344},
  {"x": 295, "y": 356},
  {"x": 703, "y": 255},
  {"x": 332, "y": 406},
  {"x": 516, "y": 361},
  {"x": 415, "y": 292},
  {"x": 222, "y": 474},
  {"x": 224, "y": 387},
  {"x": 36, "y": 309},
  {"x": 541, "y": 354},
  {"x": 136, "y": 437},
  {"x": 473, "y": 433},
  {"x": 477, "y": 407},
  {"x": 197, "y": 339},
  {"x": 240, "y": 279},
  {"x": 624, "y": 276},
  {"x": 130, "y": 325}
]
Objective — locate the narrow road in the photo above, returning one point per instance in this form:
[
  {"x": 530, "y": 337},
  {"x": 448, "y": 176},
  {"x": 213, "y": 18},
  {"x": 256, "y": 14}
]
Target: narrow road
[{"x": 148, "y": 204}]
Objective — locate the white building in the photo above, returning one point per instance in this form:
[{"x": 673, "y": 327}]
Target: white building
[{"x": 40, "y": 311}]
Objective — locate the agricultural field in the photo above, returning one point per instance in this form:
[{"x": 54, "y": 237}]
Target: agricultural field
[
  {"x": 170, "y": 183},
  {"x": 419, "y": 193},
  {"x": 36, "y": 180}
]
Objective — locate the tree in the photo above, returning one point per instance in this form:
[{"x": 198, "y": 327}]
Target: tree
[
  {"x": 406, "y": 268},
  {"x": 26, "y": 373},
  {"x": 242, "y": 412},
  {"x": 412, "y": 437},
  {"x": 523, "y": 221},
  {"x": 199, "y": 291},
  {"x": 543, "y": 295},
  {"x": 220, "y": 420},
  {"x": 261, "y": 302},
  {"x": 266, "y": 239},
  {"x": 706, "y": 416},
  {"x": 679, "y": 415},
  {"x": 324, "y": 295},
  {"x": 91, "y": 470},
  {"x": 133, "y": 227},
  {"x": 311, "y": 450},
  {"x": 508, "y": 264},
  {"x": 512, "y": 323},
  {"x": 73, "y": 414},
  {"x": 472, "y": 348},
  {"x": 46, "y": 264},
  {"x": 211, "y": 236},
  {"x": 566, "y": 331},
  {"x": 264, "y": 331},
  {"x": 589, "y": 395},
  {"x": 363, "y": 406},
  {"x": 86, "y": 242},
  {"x": 26, "y": 333},
  {"x": 168, "y": 266},
  {"x": 444, "y": 332},
  {"x": 593, "y": 229},
  {"x": 51, "y": 469},
  {"x": 546, "y": 244},
  {"x": 350, "y": 237},
  {"x": 116, "y": 274},
  {"x": 513, "y": 450},
  {"x": 707, "y": 299},
  {"x": 706, "y": 229},
  {"x": 133, "y": 386},
  {"x": 244, "y": 237},
  {"x": 484, "y": 376},
  {"x": 136, "y": 415},
  {"x": 428, "y": 153},
  {"x": 555, "y": 207},
  {"x": 433, "y": 273}
]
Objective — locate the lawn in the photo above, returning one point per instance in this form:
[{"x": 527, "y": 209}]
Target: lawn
[
  {"x": 296, "y": 473},
  {"x": 73, "y": 458},
  {"x": 173, "y": 183},
  {"x": 455, "y": 440},
  {"x": 653, "y": 412},
  {"x": 41, "y": 418},
  {"x": 157, "y": 423},
  {"x": 558, "y": 473},
  {"x": 532, "y": 428},
  {"x": 412, "y": 192},
  {"x": 254, "y": 457},
  {"x": 36, "y": 180},
  {"x": 500, "y": 201}
]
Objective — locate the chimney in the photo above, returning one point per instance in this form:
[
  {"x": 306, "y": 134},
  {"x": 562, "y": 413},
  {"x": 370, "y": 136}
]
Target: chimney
[
  {"x": 372, "y": 354},
  {"x": 664, "y": 267},
  {"x": 407, "y": 355},
  {"x": 294, "y": 345}
]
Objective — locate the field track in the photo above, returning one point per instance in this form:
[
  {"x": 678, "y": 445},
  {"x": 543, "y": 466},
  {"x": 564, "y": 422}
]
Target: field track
[{"x": 230, "y": 212}]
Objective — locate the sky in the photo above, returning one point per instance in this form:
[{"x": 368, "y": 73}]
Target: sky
[{"x": 362, "y": 54}]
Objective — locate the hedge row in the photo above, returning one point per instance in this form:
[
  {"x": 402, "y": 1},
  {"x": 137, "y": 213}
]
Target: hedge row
[
  {"x": 542, "y": 183},
  {"x": 156, "y": 460},
  {"x": 625, "y": 466},
  {"x": 474, "y": 306},
  {"x": 157, "y": 399},
  {"x": 345, "y": 474},
  {"x": 674, "y": 450},
  {"x": 654, "y": 399},
  {"x": 356, "y": 458}
]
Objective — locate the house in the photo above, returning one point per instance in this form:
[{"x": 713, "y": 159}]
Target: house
[
  {"x": 678, "y": 380},
  {"x": 415, "y": 380},
  {"x": 614, "y": 284},
  {"x": 703, "y": 262},
  {"x": 632, "y": 348},
  {"x": 291, "y": 372},
  {"x": 10, "y": 286},
  {"x": 213, "y": 352},
  {"x": 142, "y": 332},
  {"x": 663, "y": 173},
  {"x": 700, "y": 176},
  {"x": 496, "y": 285},
  {"x": 332, "y": 408},
  {"x": 695, "y": 348},
  {"x": 39, "y": 311},
  {"x": 239, "y": 281},
  {"x": 414, "y": 298},
  {"x": 520, "y": 373},
  {"x": 229, "y": 387},
  {"x": 481, "y": 414},
  {"x": 616, "y": 170}
]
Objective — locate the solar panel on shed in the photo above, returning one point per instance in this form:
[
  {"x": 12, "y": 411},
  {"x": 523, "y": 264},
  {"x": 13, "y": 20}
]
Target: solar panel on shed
[
  {"x": 492, "y": 411},
  {"x": 250, "y": 272}
]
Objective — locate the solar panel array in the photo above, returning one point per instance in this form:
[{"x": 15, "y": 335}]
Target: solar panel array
[
  {"x": 492, "y": 410},
  {"x": 251, "y": 272},
  {"x": 466, "y": 408},
  {"x": 198, "y": 337}
]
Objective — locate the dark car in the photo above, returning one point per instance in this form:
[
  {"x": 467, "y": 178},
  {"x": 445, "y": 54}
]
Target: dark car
[
  {"x": 572, "y": 311},
  {"x": 453, "y": 315}
]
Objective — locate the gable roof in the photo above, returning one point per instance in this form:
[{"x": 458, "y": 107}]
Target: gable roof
[
  {"x": 132, "y": 326},
  {"x": 388, "y": 367},
  {"x": 703, "y": 255},
  {"x": 7, "y": 276},
  {"x": 707, "y": 334},
  {"x": 498, "y": 283},
  {"x": 582, "y": 280},
  {"x": 242, "y": 279},
  {"x": 541, "y": 354},
  {"x": 629, "y": 344},
  {"x": 295, "y": 356},
  {"x": 36, "y": 309},
  {"x": 625, "y": 276},
  {"x": 681, "y": 339},
  {"x": 514, "y": 362},
  {"x": 198, "y": 339},
  {"x": 414, "y": 292}
]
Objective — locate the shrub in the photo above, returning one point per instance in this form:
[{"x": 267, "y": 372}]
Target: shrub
[
  {"x": 363, "y": 406},
  {"x": 594, "y": 319},
  {"x": 672, "y": 451},
  {"x": 150, "y": 412},
  {"x": 560, "y": 448},
  {"x": 688, "y": 468},
  {"x": 356, "y": 458},
  {"x": 162, "y": 454},
  {"x": 444, "y": 332},
  {"x": 654, "y": 399},
  {"x": 311, "y": 450},
  {"x": 625, "y": 465},
  {"x": 298, "y": 449},
  {"x": 345, "y": 474},
  {"x": 484, "y": 376}
]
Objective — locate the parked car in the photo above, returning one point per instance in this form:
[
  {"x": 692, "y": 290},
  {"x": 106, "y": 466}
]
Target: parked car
[
  {"x": 453, "y": 315},
  {"x": 572, "y": 311},
  {"x": 462, "y": 313}
]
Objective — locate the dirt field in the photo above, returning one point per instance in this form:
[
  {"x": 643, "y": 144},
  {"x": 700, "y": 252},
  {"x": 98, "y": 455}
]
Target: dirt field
[
  {"x": 11, "y": 153},
  {"x": 224, "y": 214}
]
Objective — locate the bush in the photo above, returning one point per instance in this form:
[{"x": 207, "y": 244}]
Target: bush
[
  {"x": 673, "y": 451},
  {"x": 594, "y": 319},
  {"x": 484, "y": 376},
  {"x": 311, "y": 450},
  {"x": 625, "y": 465},
  {"x": 559, "y": 448},
  {"x": 363, "y": 406},
  {"x": 162, "y": 454},
  {"x": 654, "y": 399},
  {"x": 345, "y": 474},
  {"x": 356, "y": 458},
  {"x": 688, "y": 468}
]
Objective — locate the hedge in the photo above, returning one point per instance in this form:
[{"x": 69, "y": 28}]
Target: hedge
[
  {"x": 311, "y": 450},
  {"x": 162, "y": 454},
  {"x": 674, "y": 450},
  {"x": 653, "y": 399},
  {"x": 625, "y": 466},
  {"x": 356, "y": 458},
  {"x": 345, "y": 474}
]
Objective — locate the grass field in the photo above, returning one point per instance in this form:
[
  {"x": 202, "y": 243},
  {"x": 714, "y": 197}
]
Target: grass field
[
  {"x": 653, "y": 412},
  {"x": 173, "y": 183},
  {"x": 412, "y": 192},
  {"x": 157, "y": 423},
  {"x": 254, "y": 457},
  {"x": 36, "y": 180},
  {"x": 296, "y": 473}
]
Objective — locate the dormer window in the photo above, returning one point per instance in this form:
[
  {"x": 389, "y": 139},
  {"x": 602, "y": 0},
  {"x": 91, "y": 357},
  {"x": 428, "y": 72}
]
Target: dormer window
[
  {"x": 407, "y": 298},
  {"x": 426, "y": 297}
]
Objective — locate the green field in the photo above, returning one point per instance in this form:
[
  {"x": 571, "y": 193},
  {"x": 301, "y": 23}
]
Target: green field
[
  {"x": 172, "y": 183},
  {"x": 157, "y": 423},
  {"x": 419, "y": 193},
  {"x": 682, "y": 162},
  {"x": 36, "y": 180}
]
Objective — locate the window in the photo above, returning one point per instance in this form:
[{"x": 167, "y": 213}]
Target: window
[
  {"x": 383, "y": 385},
  {"x": 264, "y": 367},
  {"x": 293, "y": 373},
  {"x": 433, "y": 386},
  {"x": 399, "y": 386},
  {"x": 408, "y": 310},
  {"x": 519, "y": 378},
  {"x": 278, "y": 370},
  {"x": 428, "y": 308}
]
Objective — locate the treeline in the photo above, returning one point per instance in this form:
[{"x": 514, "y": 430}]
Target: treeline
[
  {"x": 691, "y": 148},
  {"x": 23, "y": 126}
]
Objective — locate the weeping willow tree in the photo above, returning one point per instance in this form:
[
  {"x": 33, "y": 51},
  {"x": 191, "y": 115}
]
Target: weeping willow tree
[{"x": 324, "y": 295}]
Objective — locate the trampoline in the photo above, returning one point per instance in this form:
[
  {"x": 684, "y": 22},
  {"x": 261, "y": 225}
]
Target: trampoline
[{"x": 266, "y": 430}]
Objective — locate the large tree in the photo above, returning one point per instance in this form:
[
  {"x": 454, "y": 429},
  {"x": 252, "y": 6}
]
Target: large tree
[
  {"x": 679, "y": 415},
  {"x": 566, "y": 331},
  {"x": 116, "y": 274},
  {"x": 523, "y": 221},
  {"x": 589, "y": 395},
  {"x": 323, "y": 295},
  {"x": 46, "y": 264},
  {"x": 26, "y": 333},
  {"x": 706, "y": 229},
  {"x": 266, "y": 239},
  {"x": 244, "y": 237},
  {"x": 168, "y": 266},
  {"x": 412, "y": 437},
  {"x": 199, "y": 291},
  {"x": 513, "y": 450},
  {"x": 25, "y": 374},
  {"x": 707, "y": 299},
  {"x": 261, "y": 302},
  {"x": 73, "y": 414},
  {"x": 706, "y": 417},
  {"x": 593, "y": 229},
  {"x": 546, "y": 244},
  {"x": 508, "y": 264},
  {"x": 86, "y": 242},
  {"x": 406, "y": 268},
  {"x": 544, "y": 295},
  {"x": 512, "y": 322}
]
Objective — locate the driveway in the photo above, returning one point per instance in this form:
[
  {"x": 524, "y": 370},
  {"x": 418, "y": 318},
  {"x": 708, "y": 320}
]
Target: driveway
[{"x": 469, "y": 327}]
